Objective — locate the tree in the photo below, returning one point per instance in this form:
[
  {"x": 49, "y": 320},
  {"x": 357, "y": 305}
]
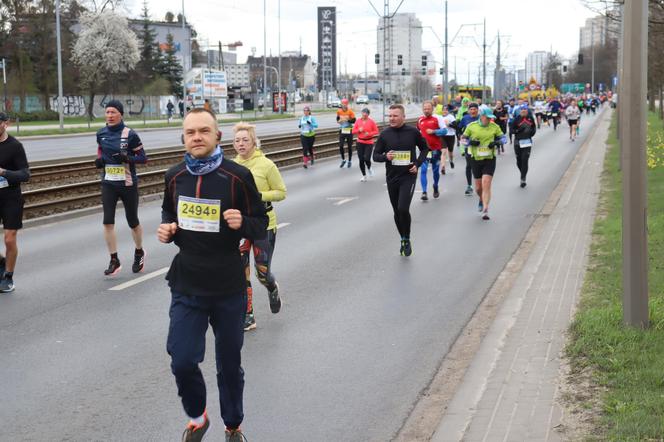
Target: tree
[
  {"x": 148, "y": 65},
  {"x": 171, "y": 68},
  {"x": 169, "y": 17},
  {"x": 105, "y": 47},
  {"x": 552, "y": 75}
]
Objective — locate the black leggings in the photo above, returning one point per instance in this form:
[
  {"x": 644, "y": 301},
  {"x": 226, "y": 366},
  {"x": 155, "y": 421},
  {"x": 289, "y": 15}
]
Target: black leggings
[
  {"x": 522, "y": 157},
  {"x": 307, "y": 146},
  {"x": 346, "y": 138},
  {"x": 364, "y": 154},
  {"x": 401, "y": 194},
  {"x": 469, "y": 168},
  {"x": 128, "y": 194}
]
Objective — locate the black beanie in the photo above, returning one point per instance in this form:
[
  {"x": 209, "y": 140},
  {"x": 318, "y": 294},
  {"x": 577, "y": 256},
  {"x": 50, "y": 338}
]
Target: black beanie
[{"x": 117, "y": 105}]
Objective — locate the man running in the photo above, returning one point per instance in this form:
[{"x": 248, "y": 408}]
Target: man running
[
  {"x": 396, "y": 147},
  {"x": 555, "y": 106},
  {"x": 345, "y": 119},
  {"x": 502, "y": 117},
  {"x": 14, "y": 170},
  {"x": 432, "y": 128},
  {"x": 482, "y": 137},
  {"x": 210, "y": 204},
  {"x": 119, "y": 150},
  {"x": 449, "y": 139},
  {"x": 366, "y": 129},
  {"x": 470, "y": 117},
  {"x": 524, "y": 128}
]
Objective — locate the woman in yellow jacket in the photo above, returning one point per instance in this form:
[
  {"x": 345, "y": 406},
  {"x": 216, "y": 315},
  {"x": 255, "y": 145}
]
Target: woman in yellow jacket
[{"x": 272, "y": 188}]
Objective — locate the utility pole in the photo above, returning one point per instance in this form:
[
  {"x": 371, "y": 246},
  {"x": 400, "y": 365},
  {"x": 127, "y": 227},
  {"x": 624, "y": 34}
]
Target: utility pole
[
  {"x": 281, "y": 108},
  {"x": 634, "y": 130},
  {"x": 265, "y": 55},
  {"x": 184, "y": 69},
  {"x": 445, "y": 74},
  {"x": 221, "y": 58},
  {"x": 61, "y": 113},
  {"x": 484, "y": 65},
  {"x": 592, "y": 57}
]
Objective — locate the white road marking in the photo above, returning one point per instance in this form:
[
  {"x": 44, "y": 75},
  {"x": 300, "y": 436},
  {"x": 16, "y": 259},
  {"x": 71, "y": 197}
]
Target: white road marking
[
  {"x": 282, "y": 225},
  {"x": 143, "y": 278},
  {"x": 340, "y": 200}
]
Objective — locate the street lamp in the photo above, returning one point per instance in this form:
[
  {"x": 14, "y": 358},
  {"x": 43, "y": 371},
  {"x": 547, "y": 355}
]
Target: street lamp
[{"x": 232, "y": 47}]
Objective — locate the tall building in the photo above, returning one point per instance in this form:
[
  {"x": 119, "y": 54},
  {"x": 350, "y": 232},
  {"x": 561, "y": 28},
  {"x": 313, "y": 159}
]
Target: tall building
[
  {"x": 598, "y": 31},
  {"x": 499, "y": 77},
  {"x": 521, "y": 76},
  {"x": 399, "y": 50},
  {"x": 297, "y": 72},
  {"x": 535, "y": 65}
]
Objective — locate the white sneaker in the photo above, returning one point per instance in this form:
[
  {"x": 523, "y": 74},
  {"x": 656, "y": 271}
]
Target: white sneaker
[
  {"x": 363, "y": 179},
  {"x": 371, "y": 172}
]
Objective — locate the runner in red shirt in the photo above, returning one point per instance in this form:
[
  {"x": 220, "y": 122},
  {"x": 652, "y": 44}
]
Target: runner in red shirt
[
  {"x": 365, "y": 128},
  {"x": 432, "y": 128}
]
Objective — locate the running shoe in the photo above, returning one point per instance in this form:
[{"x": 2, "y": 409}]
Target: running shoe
[
  {"x": 523, "y": 183},
  {"x": 312, "y": 160},
  {"x": 469, "y": 191},
  {"x": 139, "y": 262},
  {"x": 113, "y": 267},
  {"x": 442, "y": 170},
  {"x": 485, "y": 215},
  {"x": 363, "y": 179},
  {"x": 249, "y": 322},
  {"x": 424, "y": 197},
  {"x": 407, "y": 248},
  {"x": 195, "y": 433},
  {"x": 275, "y": 300},
  {"x": 349, "y": 163},
  {"x": 371, "y": 172},
  {"x": 305, "y": 165},
  {"x": 6, "y": 285},
  {"x": 401, "y": 249},
  {"x": 452, "y": 164},
  {"x": 436, "y": 193},
  {"x": 480, "y": 207},
  {"x": 343, "y": 163},
  {"x": 235, "y": 435}
]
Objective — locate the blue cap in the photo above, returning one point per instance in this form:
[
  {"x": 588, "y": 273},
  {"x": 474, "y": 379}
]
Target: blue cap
[
  {"x": 523, "y": 107},
  {"x": 486, "y": 112}
]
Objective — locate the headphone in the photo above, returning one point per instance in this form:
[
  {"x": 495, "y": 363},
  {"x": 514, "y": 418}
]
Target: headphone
[{"x": 218, "y": 137}]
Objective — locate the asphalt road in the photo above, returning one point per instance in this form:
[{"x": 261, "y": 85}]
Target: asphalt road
[
  {"x": 57, "y": 147},
  {"x": 361, "y": 333}
]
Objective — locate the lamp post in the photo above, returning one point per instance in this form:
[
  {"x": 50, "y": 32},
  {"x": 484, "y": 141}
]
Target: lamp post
[
  {"x": 184, "y": 68},
  {"x": 61, "y": 114}
]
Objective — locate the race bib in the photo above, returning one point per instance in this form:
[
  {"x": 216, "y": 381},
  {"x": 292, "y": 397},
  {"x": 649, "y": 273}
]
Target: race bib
[
  {"x": 401, "y": 158},
  {"x": 429, "y": 155},
  {"x": 3, "y": 182},
  {"x": 346, "y": 130},
  {"x": 114, "y": 173},
  {"x": 554, "y": 115},
  {"x": 484, "y": 152},
  {"x": 199, "y": 215},
  {"x": 526, "y": 143}
]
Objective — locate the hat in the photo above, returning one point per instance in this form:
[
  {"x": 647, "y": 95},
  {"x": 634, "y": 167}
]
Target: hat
[
  {"x": 4, "y": 116},
  {"x": 306, "y": 108},
  {"x": 344, "y": 101},
  {"x": 473, "y": 104},
  {"x": 115, "y": 104},
  {"x": 485, "y": 111},
  {"x": 366, "y": 111},
  {"x": 523, "y": 107},
  {"x": 450, "y": 107}
]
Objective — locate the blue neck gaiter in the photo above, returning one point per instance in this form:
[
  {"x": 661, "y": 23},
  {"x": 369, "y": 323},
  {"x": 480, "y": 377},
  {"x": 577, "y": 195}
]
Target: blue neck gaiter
[{"x": 202, "y": 166}]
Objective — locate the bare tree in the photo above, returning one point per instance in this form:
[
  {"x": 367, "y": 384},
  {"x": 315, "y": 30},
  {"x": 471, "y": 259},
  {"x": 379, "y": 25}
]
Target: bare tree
[{"x": 105, "y": 47}]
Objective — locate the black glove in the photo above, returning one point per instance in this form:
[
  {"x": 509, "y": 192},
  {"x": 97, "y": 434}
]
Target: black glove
[
  {"x": 454, "y": 125},
  {"x": 493, "y": 144},
  {"x": 99, "y": 163},
  {"x": 121, "y": 157},
  {"x": 475, "y": 143}
]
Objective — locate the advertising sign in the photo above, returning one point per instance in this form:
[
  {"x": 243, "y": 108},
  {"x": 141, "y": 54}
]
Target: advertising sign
[
  {"x": 205, "y": 83},
  {"x": 327, "y": 47}
]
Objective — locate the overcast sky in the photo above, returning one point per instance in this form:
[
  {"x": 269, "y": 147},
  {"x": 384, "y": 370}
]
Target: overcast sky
[{"x": 526, "y": 26}]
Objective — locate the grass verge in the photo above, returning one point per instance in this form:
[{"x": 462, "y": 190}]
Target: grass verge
[{"x": 626, "y": 364}]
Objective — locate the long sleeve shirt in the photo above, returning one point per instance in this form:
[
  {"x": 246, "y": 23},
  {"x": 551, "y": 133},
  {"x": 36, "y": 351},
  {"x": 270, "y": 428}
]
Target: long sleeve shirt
[
  {"x": 365, "y": 130},
  {"x": 402, "y": 141},
  {"x": 112, "y": 143},
  {"x": 15, "y": 164}
]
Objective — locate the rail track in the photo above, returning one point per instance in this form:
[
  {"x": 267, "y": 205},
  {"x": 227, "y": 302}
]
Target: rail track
[{"x": 71, "y": 184}]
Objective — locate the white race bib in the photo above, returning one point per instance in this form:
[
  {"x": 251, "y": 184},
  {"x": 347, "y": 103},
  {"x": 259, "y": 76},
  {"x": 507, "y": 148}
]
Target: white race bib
[
  {"x": 199, "y": 215},
  {"x": 3, "y": 182},
  {"x": 346, "y": 130},
  {"x": 526, "y": 143},
  {"x": 483, "y": 152},
  {"x": 114, "y": 173},
  {"x": 401, "y": 158}
]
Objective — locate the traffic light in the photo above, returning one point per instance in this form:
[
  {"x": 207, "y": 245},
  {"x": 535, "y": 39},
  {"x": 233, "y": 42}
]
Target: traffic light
[
  {"x": 424, "y": 61},
  {"x": 403, "y": 71},
  {"x": 377, "y": 59},
  {"x": 399, "y": 60},
  {"x": 580, "y": 61},
  {"x": 442, "y": 71},
  {"x": 424, "y": 71}
]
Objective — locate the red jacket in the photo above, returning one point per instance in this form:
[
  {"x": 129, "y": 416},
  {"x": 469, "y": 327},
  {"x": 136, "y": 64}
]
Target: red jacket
[
  {"x": 432, "y": 122},
  {"x": 366, "y": 130}
]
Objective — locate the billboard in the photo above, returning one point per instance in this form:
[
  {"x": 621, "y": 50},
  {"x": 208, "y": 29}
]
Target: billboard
[
  {"x": 206, "y": 83},
  {"x": 327, "y": 48}
]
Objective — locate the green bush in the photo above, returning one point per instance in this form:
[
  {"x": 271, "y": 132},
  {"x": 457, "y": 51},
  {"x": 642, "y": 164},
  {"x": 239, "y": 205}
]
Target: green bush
[{"x": 45, "y": 115}]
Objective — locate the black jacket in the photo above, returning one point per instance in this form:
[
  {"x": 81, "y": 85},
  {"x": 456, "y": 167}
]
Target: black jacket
[
  {"x": 208, "y": 263},
  {"x": 403, "y": 138},
  {"x": 523, "y": 127}
]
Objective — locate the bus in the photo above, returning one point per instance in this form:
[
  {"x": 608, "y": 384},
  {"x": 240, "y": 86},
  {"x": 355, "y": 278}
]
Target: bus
[{"x": 472, "y": 91}]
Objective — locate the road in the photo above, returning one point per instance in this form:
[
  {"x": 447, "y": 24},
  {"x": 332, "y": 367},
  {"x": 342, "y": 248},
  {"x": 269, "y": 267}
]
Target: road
[
  {"x": 56, "y": 147},
  {"x": 361, "y": 334}
]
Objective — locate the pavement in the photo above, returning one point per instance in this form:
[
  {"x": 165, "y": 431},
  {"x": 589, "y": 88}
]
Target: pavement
[
  {"x": 360, "y": 337},
  {"x": 510, "y": 391}
]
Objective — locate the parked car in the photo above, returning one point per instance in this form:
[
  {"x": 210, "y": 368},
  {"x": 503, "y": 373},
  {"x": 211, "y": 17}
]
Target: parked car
[
  {"x": 362, "y": 99},
  {"x": 333, "y": 102}
]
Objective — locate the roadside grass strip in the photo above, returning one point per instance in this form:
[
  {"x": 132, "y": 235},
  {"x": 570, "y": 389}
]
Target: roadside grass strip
[{"x": 626, "y": 365}]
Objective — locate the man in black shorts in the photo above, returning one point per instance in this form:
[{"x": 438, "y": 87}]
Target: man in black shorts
[
  {"x": 396, "y": 147},
  {"x": 119, "y": 150},
  {"x": 14, "y": 170}
]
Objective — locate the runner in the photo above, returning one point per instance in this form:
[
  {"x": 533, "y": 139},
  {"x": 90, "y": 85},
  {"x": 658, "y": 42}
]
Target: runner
[
  {"x": 524, "y": 128},
  {"x": 482, "y": 137},
  {"x": 450, "y": 123},
  {"x": 501, "y": 120},
  {"x": 210, "y": 204},
  {"x": 556, "y": 107},
  {"x": 470, "y": 117},
  {"x": 345, "y": 119},
  {"x": 308, "y": 125},
  {"x": 432, "y": 128},
  {"x": 540, "y": 111},
  {"x": 271, "y": 188},
  {"x": 396, "y": 147},
  {"x": 366, "y": 129},
  {"x": 119, "y": 150},
  {"x": 14, "y": 170},
  {"x": 572, "y": 114}
]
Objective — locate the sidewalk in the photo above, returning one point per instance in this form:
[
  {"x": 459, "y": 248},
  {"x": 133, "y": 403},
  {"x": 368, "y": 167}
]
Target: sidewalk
[{"x": 510, "y": 390}]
